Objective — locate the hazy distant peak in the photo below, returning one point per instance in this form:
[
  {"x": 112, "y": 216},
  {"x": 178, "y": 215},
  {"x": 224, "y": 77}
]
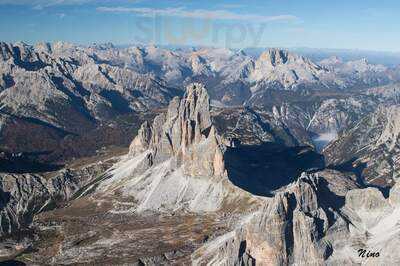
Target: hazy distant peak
[
  {"x": 363, "y": 65},
  {"x": 62, "y": 46},
  {"x": 102, "y": 46},
  {"x": 275, "y": 56},
  {"x": 331, "y": 61},
  {"x": 43, "y": 47}
]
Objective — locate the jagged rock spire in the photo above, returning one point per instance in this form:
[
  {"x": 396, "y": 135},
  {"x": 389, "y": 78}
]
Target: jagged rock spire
[{"x": 186, "y": 133}]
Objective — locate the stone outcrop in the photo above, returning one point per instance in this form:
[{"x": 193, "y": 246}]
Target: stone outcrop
[
  {"x": 185, "y": 132},
  {"x": 283, "y": 69},
  {"x": 178, "y": 161},
  {"x": 335, "y": 115},
  {"x": 371, "y": 146},
  {"x": 309, "y": 224},
  {"x": 22, "y": 196},
  {"x": 290, "y": 229}
]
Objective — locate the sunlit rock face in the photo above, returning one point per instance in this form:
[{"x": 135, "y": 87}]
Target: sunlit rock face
[
  {"x": 178, "y": 161},
  {"x": 185, "y": 132},
  {"x": 322, "y": 219},
  {"x": 371, "y": 145}
]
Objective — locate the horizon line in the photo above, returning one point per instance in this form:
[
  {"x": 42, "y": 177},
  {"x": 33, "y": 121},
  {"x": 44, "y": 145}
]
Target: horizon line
[{"x": 205, "y": 46}]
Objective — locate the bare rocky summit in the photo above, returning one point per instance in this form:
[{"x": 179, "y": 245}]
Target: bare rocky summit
[
  {"x": 321, "y": 219},
  {"x": 178, "y": 161}
]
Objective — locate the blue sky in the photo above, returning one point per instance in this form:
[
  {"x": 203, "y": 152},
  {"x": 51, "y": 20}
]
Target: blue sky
[{"x": 366, "y": 25}]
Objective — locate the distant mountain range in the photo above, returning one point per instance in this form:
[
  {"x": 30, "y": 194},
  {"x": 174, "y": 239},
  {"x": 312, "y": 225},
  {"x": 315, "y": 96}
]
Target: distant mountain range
[
  {"x": 73, "y": 94},
  {"x": 390, "y": 59}
]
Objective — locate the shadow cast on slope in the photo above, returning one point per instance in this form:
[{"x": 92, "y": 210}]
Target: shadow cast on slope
[
  {"x": 13, "y": 263},
  {"x": 25, "y": 163},
  {"x": 357, "y": 168},
  {"x": 262, "y": 169}
]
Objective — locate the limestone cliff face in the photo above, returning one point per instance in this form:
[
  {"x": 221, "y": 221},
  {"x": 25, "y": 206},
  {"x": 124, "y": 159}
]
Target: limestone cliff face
[
  {"x": 178, "y": 162},
  {"x": 185, "y": 132},
  {"x": 290, "y": 229},
  {"x": 22, "y": 196},
  {"x": 372, "y": 146},
  {"x": 286, "y": 70},
  {"x": 321, "y": 219}
]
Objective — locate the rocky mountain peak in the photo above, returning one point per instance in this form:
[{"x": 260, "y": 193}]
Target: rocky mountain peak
[
  {"x": 196, "y": 106},
  {"x": 296, "y": 219},
  {"x": 276, "y": 56},
  {"x": 62, "y": 46},
  {"x": 199, "y": 65},
  {"x": 102, "y": 46},
  {"x": 331, "y": 61},
  {"x": 178, "y": 161},
  {"x": 43, "y": 47},
  {"x": 241, "y": 52},
  {"x": 142, "y": 140},
  {"x": 283, "y": 69},
  {"x": 185, "y": 133},
  {"x": 363, "y": 65},
  {"x": 5, "y": 50}
]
